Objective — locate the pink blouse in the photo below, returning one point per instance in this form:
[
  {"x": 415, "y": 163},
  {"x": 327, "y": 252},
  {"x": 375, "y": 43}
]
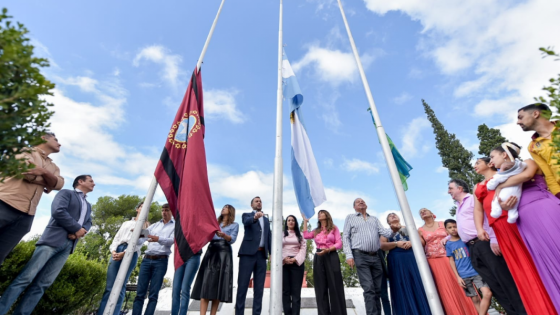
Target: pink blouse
[
  {"x": 291, "y": 247},
  {"x": 433, "y": 248},
  {"x": 324, "y": 240}
]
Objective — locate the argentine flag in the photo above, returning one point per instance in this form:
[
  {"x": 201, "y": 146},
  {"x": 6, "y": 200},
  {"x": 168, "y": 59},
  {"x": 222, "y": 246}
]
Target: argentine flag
[{"x": 308, "y": 185}]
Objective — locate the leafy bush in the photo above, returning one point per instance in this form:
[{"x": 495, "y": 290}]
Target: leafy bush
[{"x": 79, "y": 285}]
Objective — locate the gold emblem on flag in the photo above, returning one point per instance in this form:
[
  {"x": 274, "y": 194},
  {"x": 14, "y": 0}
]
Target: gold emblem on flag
[{"x": 184, "y": 129}]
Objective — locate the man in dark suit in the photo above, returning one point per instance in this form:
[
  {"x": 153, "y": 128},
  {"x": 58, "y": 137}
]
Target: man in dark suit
[
  {"x": 70, "y": 221},
  {"x": 253, "y": 253}
]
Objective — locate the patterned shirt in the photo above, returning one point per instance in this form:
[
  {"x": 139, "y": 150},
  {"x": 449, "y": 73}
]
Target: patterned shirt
[{"x": 363, "y": 234}]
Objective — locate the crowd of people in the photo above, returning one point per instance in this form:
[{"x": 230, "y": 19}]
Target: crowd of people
[{"x": 487, "y": 251}]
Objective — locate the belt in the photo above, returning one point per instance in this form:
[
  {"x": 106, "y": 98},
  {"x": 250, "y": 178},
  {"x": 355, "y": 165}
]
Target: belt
[
  {"x": 321, "y": 249},
  {"x": 366, "y": 253},
  {"x": 474, "y": 240},
  {"x": 261, "y": 248},
  {"x": 156, "y": 257}
]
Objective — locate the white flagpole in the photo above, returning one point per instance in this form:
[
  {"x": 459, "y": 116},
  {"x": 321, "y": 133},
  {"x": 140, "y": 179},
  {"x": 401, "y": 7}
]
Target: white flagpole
[
  {"x": 425, "y": 273},
  {"x": 127, "y": 259},
  {"x": 276, "y": 253}
]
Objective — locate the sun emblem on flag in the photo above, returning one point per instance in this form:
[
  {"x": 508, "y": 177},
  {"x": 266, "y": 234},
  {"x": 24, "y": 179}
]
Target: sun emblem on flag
[{"x": 183, "y": 129}]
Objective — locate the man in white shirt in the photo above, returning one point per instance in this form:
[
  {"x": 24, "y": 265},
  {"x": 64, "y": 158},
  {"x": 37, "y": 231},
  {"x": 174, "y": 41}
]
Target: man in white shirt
[{"x": 154, "y": 264}]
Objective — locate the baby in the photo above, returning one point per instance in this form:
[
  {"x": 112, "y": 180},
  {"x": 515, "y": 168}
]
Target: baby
[{"x": 507, "y": 170}]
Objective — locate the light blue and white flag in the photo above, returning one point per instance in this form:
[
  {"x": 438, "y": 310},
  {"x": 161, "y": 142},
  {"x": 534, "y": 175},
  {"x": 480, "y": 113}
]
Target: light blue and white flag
[{"x": 308, "y": 185}]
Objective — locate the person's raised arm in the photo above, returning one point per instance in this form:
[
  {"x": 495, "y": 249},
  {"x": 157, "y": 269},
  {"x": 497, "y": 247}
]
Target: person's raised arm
[
  {"x": 307, "y": 235},
  {"x": 248, "y": 219}
]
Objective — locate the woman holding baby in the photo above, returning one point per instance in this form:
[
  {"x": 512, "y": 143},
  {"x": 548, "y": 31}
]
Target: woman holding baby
[
  {"x": 539, "y": 217},
  {"x": 517, "y": 255}
]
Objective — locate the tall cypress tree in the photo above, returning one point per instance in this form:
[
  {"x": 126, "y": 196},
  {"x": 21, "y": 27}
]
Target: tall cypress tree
[
  {"x": 489, "y": 139},
  {"x": 454, "y": 156}
]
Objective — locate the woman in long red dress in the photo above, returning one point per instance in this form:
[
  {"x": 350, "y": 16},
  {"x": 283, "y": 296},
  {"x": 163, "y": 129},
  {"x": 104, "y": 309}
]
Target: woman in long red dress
[{"x": 521, "y": 265}]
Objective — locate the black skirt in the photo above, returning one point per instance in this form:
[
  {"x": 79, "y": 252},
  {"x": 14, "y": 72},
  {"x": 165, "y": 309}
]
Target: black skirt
[{"x": 215, "y": 276}]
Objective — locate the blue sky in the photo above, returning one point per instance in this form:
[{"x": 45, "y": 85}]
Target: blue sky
[{"x": 121, "y": 69}]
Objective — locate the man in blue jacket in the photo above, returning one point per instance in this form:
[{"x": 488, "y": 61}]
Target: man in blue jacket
[
  {"x": 70, "y": 221},
  {"x": 253, "y": 253}
]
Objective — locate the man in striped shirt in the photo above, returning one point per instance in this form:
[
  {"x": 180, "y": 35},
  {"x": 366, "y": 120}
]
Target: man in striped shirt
[{"x": 361, "y": 243}]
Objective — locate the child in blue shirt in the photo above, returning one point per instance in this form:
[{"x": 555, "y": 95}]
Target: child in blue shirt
[{"x": 468, "y": 278}]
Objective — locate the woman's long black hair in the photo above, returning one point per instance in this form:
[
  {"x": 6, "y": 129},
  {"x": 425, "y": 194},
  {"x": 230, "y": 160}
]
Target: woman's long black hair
[{"x": 296, "y": 228}]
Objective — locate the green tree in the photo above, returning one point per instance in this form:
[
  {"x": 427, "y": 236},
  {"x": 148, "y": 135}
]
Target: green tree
[
  {"x": 79, "y": 286},
  {"x": 552, "y": 99},
  {"x": 349, "y": 275},
  {"x": 108, "y": 214},
  {"x": 309, "y": 258},
  {"x": 454, "y": 156},
  {"x": 24, "y": 112},
  {"x": 489, "y": 138}
]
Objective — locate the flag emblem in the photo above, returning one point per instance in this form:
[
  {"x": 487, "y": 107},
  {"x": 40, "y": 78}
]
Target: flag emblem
[{"x": 182, "y": 130}]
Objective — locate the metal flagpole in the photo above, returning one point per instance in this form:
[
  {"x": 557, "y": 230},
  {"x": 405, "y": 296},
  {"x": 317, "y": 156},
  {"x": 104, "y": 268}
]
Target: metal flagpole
[
  {"x": 425, "y": 273},
  {"x": 276, "y": 254},
  {"x": 123, "y": 269}
]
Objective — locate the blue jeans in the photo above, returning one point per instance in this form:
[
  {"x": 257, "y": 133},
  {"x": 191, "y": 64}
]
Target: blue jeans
[
  {"x": 112, "y": 272},
  {"x": 151, "y": 273},
  {"x": 182, "y": 281},
  {"x": 39, "y": 273}
]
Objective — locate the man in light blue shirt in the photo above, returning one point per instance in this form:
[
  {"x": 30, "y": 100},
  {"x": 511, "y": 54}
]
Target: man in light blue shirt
[{"x": 154, "y": 264}]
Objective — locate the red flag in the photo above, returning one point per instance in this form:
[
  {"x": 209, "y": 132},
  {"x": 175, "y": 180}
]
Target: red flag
[{"x": 183, "y": 176}]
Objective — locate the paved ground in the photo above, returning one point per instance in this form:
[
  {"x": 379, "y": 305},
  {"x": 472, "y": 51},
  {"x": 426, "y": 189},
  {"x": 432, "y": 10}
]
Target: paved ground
[{"x": 355, "y": 303}]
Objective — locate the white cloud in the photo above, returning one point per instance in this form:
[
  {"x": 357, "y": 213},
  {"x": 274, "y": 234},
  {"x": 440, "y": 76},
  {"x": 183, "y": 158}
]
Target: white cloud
[
  {"x": 487, "y": 39},
  {"x": 222, "y": 104},
  {"x": 441, "y": 169},
  {"x": 42, "y": 51},
  {"x": 513, "y": 132},
  {"x": 242, "y": 187},
  {"x": 412, "y": 138},
  {"x": 332, "y": 65},
  {"x": 85, "y": 130},
  {"x": 356, "y": 165},
  {"x": 86, "y": 84},
  {"x": 403, "y": 98},
  {"x": 161, "y": 55}
]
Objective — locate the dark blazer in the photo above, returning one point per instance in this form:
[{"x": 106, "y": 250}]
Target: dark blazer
[
  {"x": 252, "y": 237},
  {"x": 65, "y": 213}
]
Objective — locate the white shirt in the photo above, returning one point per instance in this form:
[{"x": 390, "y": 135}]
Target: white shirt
[
  {"x": 123, "y": 236},
  {"x": 261, "y": 222},
  {"x": 84, "y": 206}
]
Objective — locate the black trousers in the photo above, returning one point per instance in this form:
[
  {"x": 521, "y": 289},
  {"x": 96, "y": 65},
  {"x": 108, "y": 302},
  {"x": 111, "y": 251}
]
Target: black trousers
[
  {"x": 494, "y": 271},
  {"x": 384, "y": 288},
  {"x": 14, "y": 224},
  {"x": 292, "y": 280},
  {"x": 329, "y": 288},
  {"x": 255, "y": 265},
  {"x": 370, "y": 273}
]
